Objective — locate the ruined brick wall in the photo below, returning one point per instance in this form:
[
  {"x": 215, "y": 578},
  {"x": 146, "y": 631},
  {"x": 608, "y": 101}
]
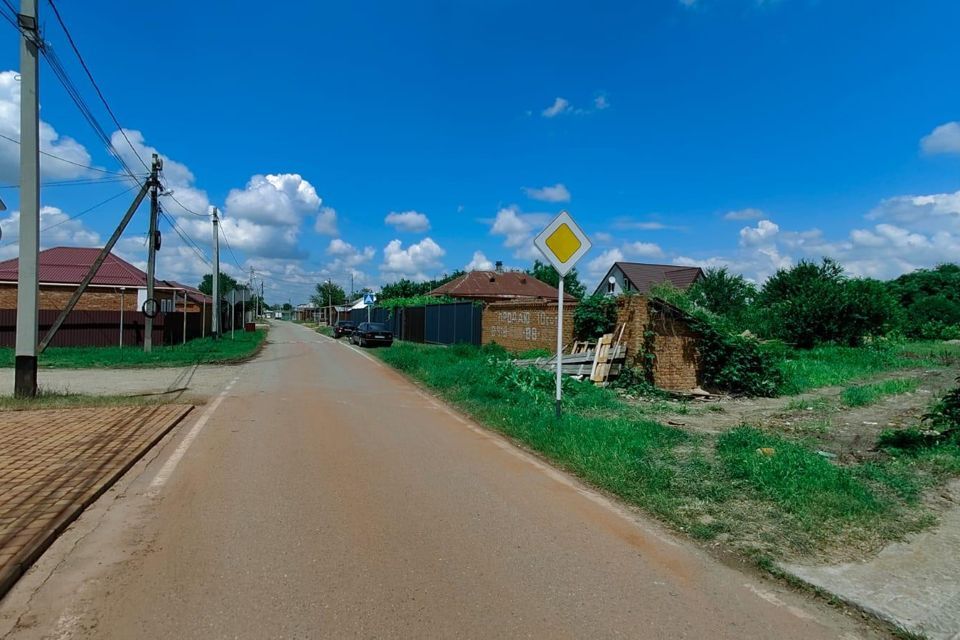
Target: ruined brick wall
[
  {"x": 523, "y": 325},
  {"x": 676, "y": 362}
]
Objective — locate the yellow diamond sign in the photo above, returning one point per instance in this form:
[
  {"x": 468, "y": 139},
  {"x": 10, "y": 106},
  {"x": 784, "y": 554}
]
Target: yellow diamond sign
[{"x": 563, "y": 243}]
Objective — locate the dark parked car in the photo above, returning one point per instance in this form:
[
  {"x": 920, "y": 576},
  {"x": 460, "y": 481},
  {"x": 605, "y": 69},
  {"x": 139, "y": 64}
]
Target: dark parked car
[
  {"x": 371, "y": 333},
  {"x": 343, "y": 328}
]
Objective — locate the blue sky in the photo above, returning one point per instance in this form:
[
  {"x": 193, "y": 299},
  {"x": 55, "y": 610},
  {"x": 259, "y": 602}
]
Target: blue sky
[{"x": 740, "y": 132}]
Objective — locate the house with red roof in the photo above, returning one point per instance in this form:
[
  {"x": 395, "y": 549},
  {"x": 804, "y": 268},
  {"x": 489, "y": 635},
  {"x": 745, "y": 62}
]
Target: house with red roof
[
  {"x": 499, "y": 286},
  {"x": 117, "y": 288}
]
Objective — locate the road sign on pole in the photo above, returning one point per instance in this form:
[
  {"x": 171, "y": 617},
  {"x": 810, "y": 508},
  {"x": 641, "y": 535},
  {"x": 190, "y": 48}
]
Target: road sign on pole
[{"x": 562, "y": 243}]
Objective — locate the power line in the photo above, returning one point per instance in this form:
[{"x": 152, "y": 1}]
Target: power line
[
  {"x": 61, "y": 159},
  {"x": 76, "y": 50},
  {"x": 169, "y": 192},
  {"x": 82, "y": 213},
  {"x": 190, "y": 242},
  {"x": 229, "y": 248},
  {"x": 77, "y": 182}
]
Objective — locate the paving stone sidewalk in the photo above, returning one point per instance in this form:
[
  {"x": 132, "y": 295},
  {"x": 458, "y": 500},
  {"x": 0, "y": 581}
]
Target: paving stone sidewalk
[
  {"x": 915, "y": 584},
  {"x": 53, "y": 463}
]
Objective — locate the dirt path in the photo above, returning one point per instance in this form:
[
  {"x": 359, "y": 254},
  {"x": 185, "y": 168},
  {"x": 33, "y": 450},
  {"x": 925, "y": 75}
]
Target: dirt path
[{"x": 849, "y": 432}]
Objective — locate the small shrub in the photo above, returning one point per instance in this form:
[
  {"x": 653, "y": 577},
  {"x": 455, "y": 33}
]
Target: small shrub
[
  {"x": 945, "y": 414},
  {"x": 594, "y": 316}
]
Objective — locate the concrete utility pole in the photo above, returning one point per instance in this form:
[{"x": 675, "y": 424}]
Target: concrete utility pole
[
  {"x": 215, "y": 318},
  {"x": 151, "y": 256},
  {"x": 28, "y": 285}
]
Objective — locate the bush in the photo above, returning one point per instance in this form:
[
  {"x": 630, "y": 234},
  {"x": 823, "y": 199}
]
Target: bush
[
  {"x": 723, "y": 293},
  {"x": 945, "y": 414},
  {"x": 811, "y": 304},
  {"x": 594, "y": 316},
  {"x": 931, "y": 299}
]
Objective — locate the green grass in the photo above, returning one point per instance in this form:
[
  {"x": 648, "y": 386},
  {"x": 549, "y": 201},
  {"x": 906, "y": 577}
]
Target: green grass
[
  {"x": 791, "y": 503},
  {"x": 200, "y": 351},
  {"x": 867, "y": 394},
  {"x": 325, "y": 330},
  {"x": 830, "y": 365}
]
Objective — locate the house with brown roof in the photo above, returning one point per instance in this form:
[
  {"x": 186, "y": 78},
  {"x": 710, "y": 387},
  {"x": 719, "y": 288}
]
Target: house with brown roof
[
  {"x": 118, "y": 288},
  {"x": 637, "y": 277},
  {"x": 498, "y": 286}
]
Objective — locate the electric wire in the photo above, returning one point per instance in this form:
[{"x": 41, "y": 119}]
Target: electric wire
[
  {"x": 190, "y": 242},
  {"x": 83, "y": 63},
  {"x": 61, "y": 159},
  {"x": 74, "y": 183},
  {"x": 223, "y": 232}
]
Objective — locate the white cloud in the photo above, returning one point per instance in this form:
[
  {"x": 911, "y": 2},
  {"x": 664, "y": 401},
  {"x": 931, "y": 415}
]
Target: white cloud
[
  {"x": 744, "y": 214},
  {"x": 479, "y": 262},
  {"x": 413, "y": 262},
  {"x": 57, "y": 229},
  {"x": 601, "y": 102},
  {"x": 943, "y": 139},
  {"x": 560, "y": 105},
  {"x": 556, "y": 193},
  {"x": 602, "y": 237},
  {"x": 326, "y": 222},
  {"x": 274, "y": 199},
  {"x": 628, "y": 223},
  {"x": 926, "y": 212},
  {"x": 518, "y": 230},
  {"x": 410, "y": 221},
  {"x": 50, "y": 141},
  {"x": 759, "y": 235},
  {"x": 643, "y": 250},
  {"x": 598, "y": 266}
]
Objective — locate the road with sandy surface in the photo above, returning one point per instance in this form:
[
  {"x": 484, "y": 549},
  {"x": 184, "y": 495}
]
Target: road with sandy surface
[{"x": 322, "y": 495}]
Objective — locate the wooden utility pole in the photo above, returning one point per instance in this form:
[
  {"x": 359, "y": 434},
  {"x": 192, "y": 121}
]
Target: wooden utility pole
[
  {"x": 28, "y": 283},
  {"x": 152, "y": 246}
]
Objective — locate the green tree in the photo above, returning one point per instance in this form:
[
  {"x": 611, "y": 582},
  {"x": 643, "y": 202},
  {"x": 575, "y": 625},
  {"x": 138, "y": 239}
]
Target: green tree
[
  {"x": 546, "y": 273},
  {"x": 724, "y": 293},
  {"x": 227, "y": 284},
  {"x": 594, "y": 316},
  {"x": 812, "y": 303},
  {"x": 328, "y": 293},
  {"x": 931, "y": 301}
]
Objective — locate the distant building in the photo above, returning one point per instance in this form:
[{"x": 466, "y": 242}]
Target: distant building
[
  {"x": 627, "y": 277},
  {"x": 497, "y": 286}
]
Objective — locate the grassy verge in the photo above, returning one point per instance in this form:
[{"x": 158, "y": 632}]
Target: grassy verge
[
  {"x": 826, "y": 366},
  {"x": 764, "y": 495},
  {"x": 51, "y": 400},
  {"x": 201, "y": 351},
  {"x": 327, "y": 331},
  {"x": 867, "y": 394}
]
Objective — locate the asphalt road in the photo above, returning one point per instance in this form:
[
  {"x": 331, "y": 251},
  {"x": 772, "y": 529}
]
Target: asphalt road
[{"x": 324, "y": 496}]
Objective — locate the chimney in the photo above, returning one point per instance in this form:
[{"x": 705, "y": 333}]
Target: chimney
[{"x": 499, "y": 267}]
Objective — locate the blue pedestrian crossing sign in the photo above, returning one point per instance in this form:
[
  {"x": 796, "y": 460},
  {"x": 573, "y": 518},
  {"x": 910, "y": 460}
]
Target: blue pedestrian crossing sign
[{"x": 368, "y": 299}]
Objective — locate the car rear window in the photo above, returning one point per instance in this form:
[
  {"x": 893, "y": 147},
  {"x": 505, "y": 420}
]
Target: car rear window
[{"x": 376, "y": 326}]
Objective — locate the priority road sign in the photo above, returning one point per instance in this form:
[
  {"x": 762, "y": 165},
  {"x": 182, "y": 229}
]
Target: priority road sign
[{"x": 563, "y": 243}]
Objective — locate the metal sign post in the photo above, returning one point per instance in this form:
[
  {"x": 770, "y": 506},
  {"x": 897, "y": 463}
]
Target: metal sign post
[{"x": 562, "y": 243}]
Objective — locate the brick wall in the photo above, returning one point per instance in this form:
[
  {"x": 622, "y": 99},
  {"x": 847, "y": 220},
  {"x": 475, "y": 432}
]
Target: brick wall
[
  {"x": 524, "y": 325},
  {"x": 676, "y": 362},
  {"x": 93, "y": 299}
]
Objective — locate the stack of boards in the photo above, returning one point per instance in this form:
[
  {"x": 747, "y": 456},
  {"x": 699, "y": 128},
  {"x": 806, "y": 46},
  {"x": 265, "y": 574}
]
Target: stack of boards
[{"x": 598, "y": 362}]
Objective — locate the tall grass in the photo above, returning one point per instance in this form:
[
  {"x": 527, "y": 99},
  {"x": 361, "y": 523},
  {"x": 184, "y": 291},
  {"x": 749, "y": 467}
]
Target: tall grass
[
  {"x": 867, "y": 394},
  {"x": 788, "y": 502},
  {"x": 832, "y": 365}
]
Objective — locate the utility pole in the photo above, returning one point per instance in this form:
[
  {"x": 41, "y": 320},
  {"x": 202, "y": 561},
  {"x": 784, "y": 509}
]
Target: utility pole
[
  {"x": 215, "y": 319},
  {"x": 28, "y": 284},
  {"x": 256, "y": 307},
  {"x": 152, "y": 256}
]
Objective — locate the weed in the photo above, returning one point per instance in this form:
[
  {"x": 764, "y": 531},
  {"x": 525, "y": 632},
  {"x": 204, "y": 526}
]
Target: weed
[{"x": 863, "y": 395}]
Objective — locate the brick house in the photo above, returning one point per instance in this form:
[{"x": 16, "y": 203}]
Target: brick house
[
  {"x": 117, "y": 286},
  {"x": 637, "y": 277}
]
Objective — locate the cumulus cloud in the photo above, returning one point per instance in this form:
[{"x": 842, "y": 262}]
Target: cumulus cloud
[
  {"x": 560, "y": 105},
  {"x": 744, "y": 214},
  {"x": 409, "y": 221},
  {"x": 759, "y": 235},
  {"x": 57, "y": 229},
  {"x": 72, "y": 152},
  {"x": 274, "y": 199},
  {"x": 556, "y": 193},
  {"x": 479, "y": 262},
  {"x": 598, "y": 266},
  {"x": 643, "y": 250},
  {"x": 943, "y": 139},
  {"x": 927, "y": 212},
  {"x": 518, "y": 230},
  {"x": 413, "y": 262},
  {"x": 326, "y": 222}
]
